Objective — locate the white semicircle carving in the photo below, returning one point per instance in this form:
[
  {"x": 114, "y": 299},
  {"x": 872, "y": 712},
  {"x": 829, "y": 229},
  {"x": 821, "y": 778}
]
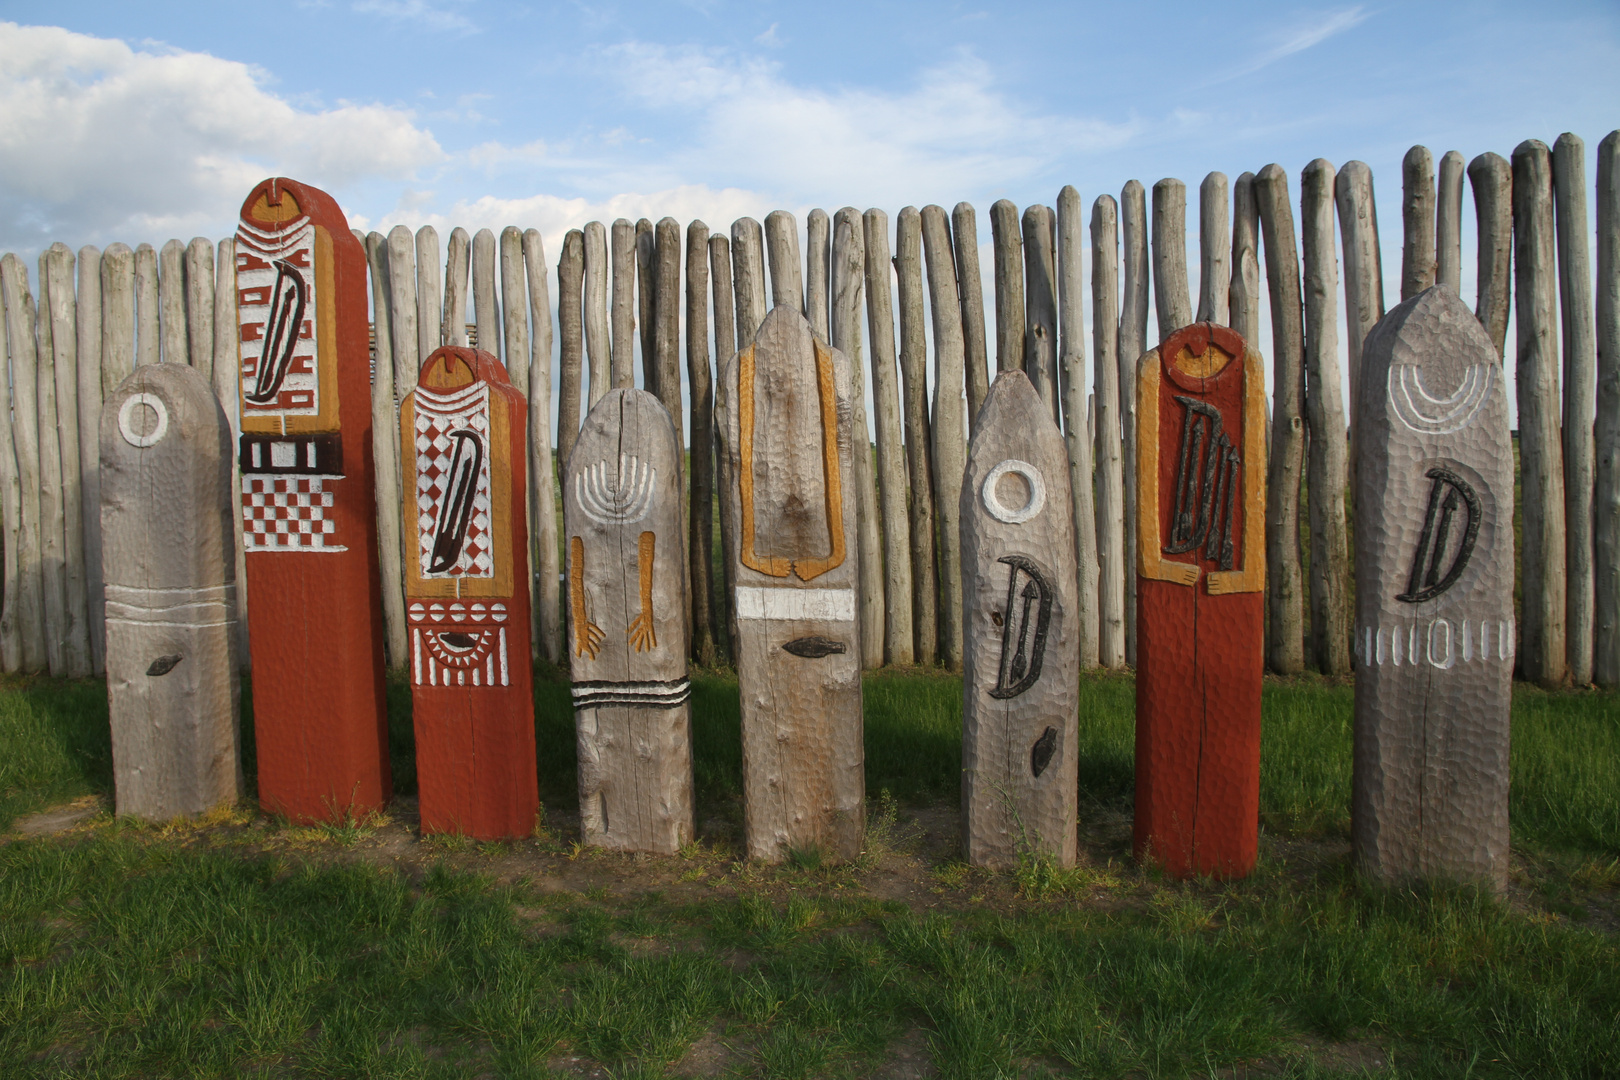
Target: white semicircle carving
[{"x": 1426, "y": 414}]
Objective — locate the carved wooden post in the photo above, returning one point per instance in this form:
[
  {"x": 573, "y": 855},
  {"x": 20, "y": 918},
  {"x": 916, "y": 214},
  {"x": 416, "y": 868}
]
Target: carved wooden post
[
  {"x": 1201, "y": 569},
  {"x": 628, "y": 639},
  {"x": 783, "y": 418},
  {"x": 172, "y": 689},
  {"x": 464, "y": 429},
  {"x": 1021, "y": 684},
  {"x": 1434, "y": 597},
  {"x": 309, "y": 512}
]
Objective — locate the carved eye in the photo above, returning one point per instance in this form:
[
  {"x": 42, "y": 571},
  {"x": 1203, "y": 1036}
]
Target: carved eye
[
  {"x": 995, "y": 617},
  {"x": 458, "y": 642}
]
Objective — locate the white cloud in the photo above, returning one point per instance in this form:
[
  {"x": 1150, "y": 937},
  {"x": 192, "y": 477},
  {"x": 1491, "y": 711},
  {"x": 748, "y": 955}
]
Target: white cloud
[
  {"x": 99, "y": 141},
  {"x": 428, "y": 15},
  {"x": 1308, "y": 31}
]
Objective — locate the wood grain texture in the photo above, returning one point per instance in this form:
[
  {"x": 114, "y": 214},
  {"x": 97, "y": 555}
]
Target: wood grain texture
[
  {"x": 965, "y": 234},
  {"x": 919, "y": 461},
  {"x": 667, "y": 323},
  {"x": 148, "y": 338},
  {"x": 848, "y": 290},
  {"x": 1201, "y": 568},
  {"x": 1490, "y": 177},
  {"x": 513, "y": 305},
  {"x": 1542, "y": 580},
  {"x": 118, "y": 318},
  {"x": 87, "y": 331},
  {"x": 1580, "y": 396},
  {"x": 385, "y": 458},
  {"x": 1079, "y": 427},
  {"x": 1285, "y": 630},
  {"x": 1133, "y": 315},
  {"x": 486, "y": 304},
  {"x": 1448, "y": 221},
  {"x": 782, "y": 248},
  {"x": 748, "y": 277},
  {"x": 175, "y": 347},
  {"x": 62, "y": 310},
  {"x": 1040, "y": 310},
  {"x": 547, "y": 616},
  {"x": 598, "y": 342},
  {"x": 817, "y": 272},
  {"x": 1214, "y": 250},
  {"x": 1417, "y": 221},
  {"x": 1363, "y": 264},
  {"x": 705, "y": 632},
  {"x": 404, "y": 342},
  {"x": 725, "y": 344},
  {"x": 199, "y": 281},
  {"x": 947, "y": 423},
  {"x": 1171, "y": 300},
  {"x": 1606, "y": 437},
  {"x": 167, "y": 504},
  {"x": 227, "y": 349},
  {"x": 1112, "y": 566},
  {"x": 571, "y": 340},
  {"x": 29, "y": 602},
  {"x": 899, "y": 640},
  {"x": 1007, "y": 247},
  {"x": 11, "y": 514},
  {"x": 1434, "y": 512},
  {"x": 647, "y": 305},
  {"x": 430, "y": 292},
  {"x": 52, "y": 503},
  {"x": 783, "y": 419},
  {"x": 1021, "y": 678},
  {"x": 457, "y": 268}
]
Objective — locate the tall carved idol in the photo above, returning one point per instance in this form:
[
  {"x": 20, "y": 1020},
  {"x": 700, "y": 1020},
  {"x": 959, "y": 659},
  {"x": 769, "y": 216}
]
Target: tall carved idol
[
  {"x": 467, "y": 597},
  {"x": 783, "y": 417},
  {"x": 1021, "y": 656},
  {"x": 627, "y": 626},
  {"x": 1201, "y": 569},
  {"x": 309, "y": 516},
  {"x": 1434, "y": 597}
]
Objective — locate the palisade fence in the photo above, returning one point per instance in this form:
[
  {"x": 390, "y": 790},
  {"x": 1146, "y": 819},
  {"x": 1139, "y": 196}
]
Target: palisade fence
[{"x": 100, "y": 313}]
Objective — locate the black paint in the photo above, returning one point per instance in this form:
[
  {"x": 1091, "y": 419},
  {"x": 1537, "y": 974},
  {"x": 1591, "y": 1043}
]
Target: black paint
[
  {"x": 813, "y": 648},
  {"x": 456, "y": 505},
  {"x": 288, "y": 298},
  {"x": 163, "y": 665},
  {"x": 1021, "y": 655},
  {"x": 1040, "y": 755},
  {"x": 1425, "y": 581},
  {"x": 1208, "y": 472},
  {"x": 454, "y": 639}
]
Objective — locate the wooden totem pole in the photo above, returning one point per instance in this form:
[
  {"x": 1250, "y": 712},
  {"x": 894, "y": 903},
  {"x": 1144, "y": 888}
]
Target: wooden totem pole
[
  {"x": 1434, "y": 597},
  {"x": 1201, "y": 572},
  {"x": 309, "y": 516},
  {"x": 167, "y": 555},
  {"x": 627, "y": 626},
  {"x": 783, "y": 416},
  {"x": 1022, "y": 650},
  {"x": 467, "y": 597}
]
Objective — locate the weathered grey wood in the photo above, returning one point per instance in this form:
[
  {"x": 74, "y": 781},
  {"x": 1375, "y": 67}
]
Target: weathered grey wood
[
  {"x": 1363, "y": 264},
  {"x": 848, "y": 276},
  {"x": 199, "y": 280},
  {"x": 1606, "y": 483},
  {"x": 1285, "y": 600},
  {"x": 899, "y": 639},
  {"x": 1244, "y": 297},
  {"x": 626, "y": 580},
  {"x": 1434, "y": 673},
  {"x": 782, "y": 249},
  {"x": 667, "y": 322},
  {"x": 486, "y": 308},
  {"x": 24, "y": 345},
  {"x": 1580, "y": 396},
  {"x": 430, "y": 293},
  {"x": 700, "y": 391},
  {"x": 1326, "y": 470},
  {"x": 56, "y": 266},
  {"x": 148, "y": 338},
  {"x": 11, "y": 648},
  {"x": 571, "y": 329},
  {"x": 52, "y": 523},
  {"x": 817, "y": 272},
  {"x": 1133, "y": 314},
  {"x": 748, "y": 277},
  {"x": 1417, "y": 220},
  {"x": 965, "y": 233},
  {"x": 947, "y": 426},
  {"x": 624, "y": 304},
  {"x": 547, "y": 628},
  {"x": 1448, "y": 221},
  {"x": 457, "y": 267},
  {"x": 1112, "y": 567},
  {"x": 1214, "y": 243},
  {"x": 1021, "y": 683},
  {"x": 87, "y": 332},
  {"x": 783, "y": 419},
  {"x": 725, "y": 344},
  {"x": 1007, "y": 247},
  {"x": 1491, "y": 178},
  {"x": 1079, "y": 429},
  {"x": 1171, "y": 299},
  {"x": 227, "y": 386},
  {"x": 919, "y": 463},
  {"x": 1040, "y": 311},
  {"x": 513, "y": 304},
  {"x": 172, "y": 683},
  {"x": 598, "y": 344},
  {"x": 118, "y": 318},
  {"x": 404, "y": 341},
  {"x": 1543, "y": 644},
  {"x": 647, "y": 307},
  {"x": 172, "y": 303},
  {"x": 385, "y": 449}
]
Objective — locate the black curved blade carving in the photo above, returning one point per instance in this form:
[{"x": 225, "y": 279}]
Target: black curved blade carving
[
  {"x": 813, "y": 648},
  {"x": 456, "y": 505},
  {"x": 288, "y": 298},
  {"x": 1040, "y": 755}
]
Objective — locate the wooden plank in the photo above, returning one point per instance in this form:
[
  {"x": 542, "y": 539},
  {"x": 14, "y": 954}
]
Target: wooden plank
[
  {"x": 486, "y": 305},
  {"x": 748, "y": 276},
  {"x": 1606, "y": 482},
  {"x": 429, "y": 292},
  {"x": 626, "y": 584},
  {"x": 56, "y": 266},
  {"x": 965, "y": 234},
  {"x": 148, "y": 339},
  {"x": 817, "y": 271},
  {"x": 647, "y": 305},
  {"x": 899, "y": 640},
  {"x": 1171, "y": 302},
  {"x": 1491, "y": 179},
  {"x": 1021, "y": 683},
  {"x": 1214, "y": 237},
  {"x": 1434, "y": 598},
  {"x": 1007, "y": 247},
  {"x": 946, "y": 425},
  {"x": 317, "y": 635},
  {"x": 199, "y": 282},
  {"x": 1542, "y": 581},
  {"x": 1040, "y": 309},
  {"x": 513, "y": 304},
  {"x": 571, "y": 330},
  {"x": 24, "y": 345},
  {"x": 546, "y": 594},
  {"x": 88, "y": 346},
  {"x": 919, "y": 461},
  {"x": 227, "y": 351},
  {"x": 623, "y": 311},
  {"x": 1326, "y": 470},
  {"x": 1285, "y": 599},
  {"x": 52, "y": 501},
  {"x": 1448, "y": 222},
  {"x": 598, "y": 344},
  {"x": 848, "y": 289},
  {"x": 172, "y": 685},
  {"x": 464, "y": 429},
  {"x": 1133, "y": 315},
  {"x": 386, "y": 459},
  {"x": 1112, "y": 567},
  {"x": 1201, "y": 568},
  {"x": 705, "y": 632},
  {"x": 782, "y": 249},
  {"x": 1580, "y": 397},
  {"x": 1363, "y": 264},
  {"x": 785, "y": 399},
  {"x": 723, "y": 296},
  {"x": 1079, "y": 429},
  {"x": 1417, "y": 220},
  {"x": 457, "y": 268},
  {"x": 172, "y": 303},
  {"x": 405, "y": 341}
]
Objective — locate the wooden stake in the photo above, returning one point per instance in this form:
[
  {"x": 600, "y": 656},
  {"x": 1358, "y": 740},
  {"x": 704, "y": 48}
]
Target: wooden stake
[
  {"x": 513, "y": 304},
  {"x": 947, "y": 426},
  {"x": 386, "y": 452},
  {"x": 848, "y": 288},
  {"x": 11, "y": 632},
  {"x": 598, "y": 344},
  {"x": 1417, "y": 214},
  {"x": 818, "y": 231},
  {"x": 457, "y": 266},
  {"x": 24, "y": 345},
  {"x": 700, "y": 384},
  {"x": 52, "y": 527},
  {"x": 199, "y": 280},
  {"x": 1606, "y": 484},
  {"x": 1580, "y": 392},
  {"x": 1008, "y": 248},
  {"x": 1214, "y": 235},
  {"x": 542, "y": 468},
  {"x": 56, "y": 265},
  {"x": 782, "y": 246},
  {"x": 148, "y": 339},
  {"x": 899, "y": 641},
  {"x": 402, "y": 312},
  {"x": 725, "y": 346},
  {"x": 919, "y": 466},
  {"x": 1170, "y": 294},
  {"x": 1448, "y": 222},
  {"x": 227, "y": 383},
  {"x": 1491, "y": 178},
  {"x": 748, "y": 277},
  {"x": 1078, "y": 431},
  {"x": 667, "y": 326},
  {"x": 1112, "y": 564},
  {"x": 486, "y": 307},
  {"x": 571, "y": 330},
  {"x": 172, "y": 303},
  {"x": 1040, "y": 310},
  {"x": 1363, "y": 264},
  {"x": 624, "y": 305},
  {"x": 965, "y": 234},
  {"x": 1133, "y": 314},
  {"x": 647, "y": 307},
  {"x": 88, "y": 392},
  {"x": 430, "y": 292}
]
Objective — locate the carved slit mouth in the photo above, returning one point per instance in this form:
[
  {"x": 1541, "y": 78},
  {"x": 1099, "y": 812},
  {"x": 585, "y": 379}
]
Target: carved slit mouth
[{"x": 458, "y": 642}]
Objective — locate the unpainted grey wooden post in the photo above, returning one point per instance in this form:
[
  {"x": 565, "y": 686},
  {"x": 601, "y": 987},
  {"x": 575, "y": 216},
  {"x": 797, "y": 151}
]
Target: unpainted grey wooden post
[
  {"x": 1112, "y": 565},
  {"x": 24, "y": 345},
  {"x": 227, "y": 388},
  {"x": 52, "y": 508},
  {"x": 486, "y": 307},
  {"x": 385, "y": 449},
  {"x": 118, "y": 317},
  {"x": 172, "y": 303},
  {"x": 1214, "y": 248},
  {"x": 457, "y": 268},
  {"x": 1171, "y": 299},
  {"x": 748, "y": 277},
  {"x": 513, "y": 304},
  {"x": 56, "y": 264},
  {"x": 1543, "y": 644},
  {"x": 667, "y": 326},
  {"x": 1007, "y": 246},
  {"x": 1606, "y": 483},
  {"x": 429, "y": 292},
  {"x": 1040, "y": 311},
  {"x": 1133, "y": 314},
  {"x": 1244, "y": 297},
  {"x": 598, "y": 341},
  {"x": 88, "y": 348},
  {"x": 919, "y": 463},
  {"x": 965, "y": 234},
  {"x": 1448, "y": 221},
  {"x": 199, "y": 280},
  {"x": 571, "y": 329},
  {"x": 1285, "y": 599},
  {"x": 1491, "y": 178},
  {"x": 623, "y": 243},
  {"x": 1078, "y": 425},
  {"x": 817, "y": 269},
  {"x": 402, "y": 312},
  {"x": 544, "y": 611},
  {"x": 700, "y": 396},
  {"x": 647, "y": 306},
  {"x": 1417, "y": 220},
  {"x": 148, "y": 338},
  {"x": 11, "y": 508},
  {"x": 947, "y": 422},
  {"x": 899, "y": 641},
  {"x": 723, "y": 295},
  {"x": 172, "y": 683},
  {"x": 1434, "y": 598},
  {"x": 782, "y": 249},
  {"x": 1363, "y": 264},
  {"x": 1580, "y": 396},
  {"x": 1021, "y": 684},
  {"x": 848, "y": 289},
  {"x": 1327, "y": 469}
]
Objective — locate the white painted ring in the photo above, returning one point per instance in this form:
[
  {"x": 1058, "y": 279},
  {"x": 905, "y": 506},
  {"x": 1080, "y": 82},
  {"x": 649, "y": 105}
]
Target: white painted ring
[
  {"x": 1037, "y": 492},
  {"x": 126, "y": 414}
]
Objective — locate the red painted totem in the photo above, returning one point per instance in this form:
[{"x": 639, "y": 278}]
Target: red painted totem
[
  {"x": 467, "y": 597},
  {"x": 309, "y": 511},
  {"x": 1201, "y": 571}
]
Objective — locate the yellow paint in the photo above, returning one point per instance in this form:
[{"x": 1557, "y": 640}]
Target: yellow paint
[
  {"x": 588, "y": 636},
  {"x": 1251, "y": 577},
  {"x": 285, "y": 210},
  {"x": 1150, "y": 560},
  {"x": 1207, "y": 366},
  {"x": 642, "y": 634}
]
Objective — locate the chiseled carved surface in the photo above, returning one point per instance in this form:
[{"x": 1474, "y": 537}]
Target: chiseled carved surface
[
  {"x": 1021, "y": 643},
  {"x": 1434, "y": 632},
  {"x": 783, "y": 417}
]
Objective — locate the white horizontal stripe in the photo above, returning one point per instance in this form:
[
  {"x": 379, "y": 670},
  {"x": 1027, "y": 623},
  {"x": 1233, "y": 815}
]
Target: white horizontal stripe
[{"x": 796, "y": 605}]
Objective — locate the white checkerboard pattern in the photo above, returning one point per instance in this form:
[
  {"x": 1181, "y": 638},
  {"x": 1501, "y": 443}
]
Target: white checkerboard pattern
[{"x": 288, "y": 513}]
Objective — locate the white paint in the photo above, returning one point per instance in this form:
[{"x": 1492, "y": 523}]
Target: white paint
[
  {"x": 503, "y": 657},
  {"x": 795, "y": 605},
  {"x": 1436, "y": 629},
  {"x": 283, "y": 455},
  {"x": 126, "y": 416},
  {"x": 1438, "y": 642},
  {"x": 1426, "y": 414},
  {"x": 620, "y": 500},
  {"x": 416, "y": 643},
  {"x": 1037, "y": 492}
]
